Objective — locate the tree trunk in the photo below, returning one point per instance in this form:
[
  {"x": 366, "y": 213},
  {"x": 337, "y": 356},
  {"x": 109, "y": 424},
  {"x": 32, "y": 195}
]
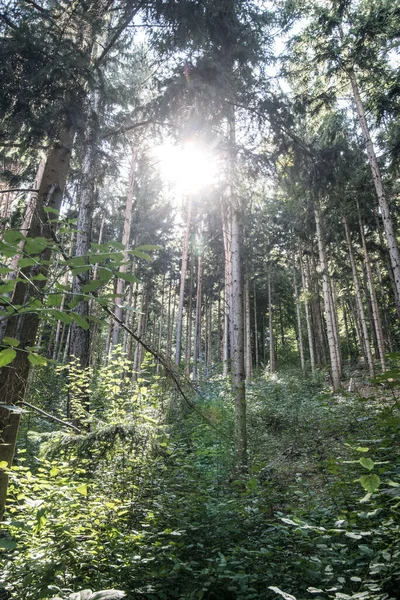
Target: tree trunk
[
  {"x": 272, "y": 363},
  {"x": 185, "y": 252},
  {"x": 374, "y": 300},
  {"x": 188, "y": 354},
  {"x": 256, "y": 348},
  {"x": 330, "y": 321},
  {"x": 298, "y": 314},
  {"x": 247, "y": 330},
  {"x": 197, "y": 330},
  {"x": 80, "y": 337},
  {"x": 306, "y": 295},
  {"x": 394, "y": 252},
  {"x": 126, "y": 234},
  {"x": 14, "y": 378},
  {"x": 360, "y": 307}
]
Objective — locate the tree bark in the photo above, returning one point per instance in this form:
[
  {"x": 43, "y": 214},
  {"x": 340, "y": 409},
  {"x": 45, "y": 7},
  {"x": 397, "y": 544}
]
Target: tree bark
[
  {"x": 185, "y": 252},
  {"x": 272, "y": 363},
  {"x": 247, "y": 330},
  {"x": 330, "y": 321},
  {"x": 126, "y": 234},
  {"x": 360, "y": 307},
  {"x": 394, "y": 252},
  {"x": 374, "y": 300},
  {"x": 14, "y": 378},
  {"x": 298, "y": 315},
  {"x": 306, "y": 294}
]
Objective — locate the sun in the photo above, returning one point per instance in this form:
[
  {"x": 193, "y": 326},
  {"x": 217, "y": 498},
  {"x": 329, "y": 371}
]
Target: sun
[{"x": 190, "y": 167}]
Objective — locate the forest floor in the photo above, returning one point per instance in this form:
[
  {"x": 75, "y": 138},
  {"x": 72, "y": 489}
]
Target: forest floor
[{"x": 157, "y": 512}]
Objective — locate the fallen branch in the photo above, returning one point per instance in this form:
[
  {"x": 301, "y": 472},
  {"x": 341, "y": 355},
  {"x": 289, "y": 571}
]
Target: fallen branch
[{"x": 49, "y": 416}]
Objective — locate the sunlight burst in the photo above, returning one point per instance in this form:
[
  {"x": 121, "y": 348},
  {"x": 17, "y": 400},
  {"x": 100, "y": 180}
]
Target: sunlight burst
[{"x": 189, "y": 167}]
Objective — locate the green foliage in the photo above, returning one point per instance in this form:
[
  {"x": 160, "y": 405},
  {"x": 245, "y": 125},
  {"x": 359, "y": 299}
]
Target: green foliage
[{"x": 154, "y": 509}]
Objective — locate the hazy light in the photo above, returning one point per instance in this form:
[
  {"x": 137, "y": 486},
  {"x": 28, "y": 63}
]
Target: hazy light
[{"x": 189, "y": 167}]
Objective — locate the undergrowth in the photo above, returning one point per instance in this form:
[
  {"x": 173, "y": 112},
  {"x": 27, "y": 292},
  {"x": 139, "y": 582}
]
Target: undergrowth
[{"x": 149, "y": 504}]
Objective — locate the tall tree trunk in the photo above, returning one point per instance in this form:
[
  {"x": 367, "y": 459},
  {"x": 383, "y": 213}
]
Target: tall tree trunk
[
  {"x": 360, "y": 307},
  {"x": 306, "y": 295},
  {"x": 330, "y": 321},
  {"x": 80, "y": 337},
  {"x": 141, "y": 330},
  {"x": 126, "y": 234},
  {"x": 188, "y": 354},
  {"x": 247, "y": 331},
  {"x": 374, "y": 300},
  {"x": 14, "y": 378},
  {"x": 197, "y": 322},
  {"x": 185, "y": 252},
  {"x": 394, "y": 252},
  {"x": 272, "y": 363},
  {"x": 256, "y": 347},
  {"x": 298, "y": 315},
  {"x": 227, "y": 237}
]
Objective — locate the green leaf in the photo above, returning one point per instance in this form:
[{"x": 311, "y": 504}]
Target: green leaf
[
  {"x": 54, "y": 300},
  {"x": 5, "y": 270},
  {"x": 10, "y": 341},
  {"x": 7, "y": 356},
  {"x": 284, "y": 595},
  {"x": 80, "y": 321},
  {"x": 99, "y": 258},
  {"x": 370, "y": 482},
  {"x": 105, "y": 274},
  {"x": 39, "y": 277},
  {"x": 50, "y": 209},
  {"x": 26, "y": 262},
  {"x": 148, "y": 247},
  {"x": 35, "y": 245},
  {"x": 367, "y": 463},
  {"x": 93, "y": 285},
  {"x": 5, "y": 288},
  {"x": 3, "y": 464},
  {"x": 77, "y": 261},
  {"x": 62, "y": 316},
  {"x": 141, "y": 254},
  {"x": 12, "y": 236},
  {"x": 82, "y": 489},
  {"x": 7, "y": 544},
  {"x": 81, "y": 269},
  {"x": 37, "y": 360},
  {"x": 128, "y": 277}
]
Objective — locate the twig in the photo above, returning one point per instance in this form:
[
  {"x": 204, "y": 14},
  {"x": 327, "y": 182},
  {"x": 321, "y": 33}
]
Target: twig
[{"x": 49, "y": 416}]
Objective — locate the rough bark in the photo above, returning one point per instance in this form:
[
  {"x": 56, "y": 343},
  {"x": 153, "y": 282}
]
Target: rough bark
[
  {"x": 247, "y": 330},
  {"x": 330, "y": 321},
  {"x": 374, "y": 300},
  {"x": 306, "y": 295},
  {"x": 126, "y": 233},
  {"x": 14, "y": 378},
  {"x": 272, "y": 362},
  {"x": 185, "y": 252},
  {"x": 298, "y": 315},
  {"x": 394, "y": 252},
  {"x": 360, "y": 306}
]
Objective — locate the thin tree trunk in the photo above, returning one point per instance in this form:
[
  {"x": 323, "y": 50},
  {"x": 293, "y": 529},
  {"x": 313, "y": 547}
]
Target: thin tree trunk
[
  {"x": 306, "y": 294},
  {"x": 256, "y": 348},
  {"x": 189, "y": 323},
  {"x": 197, "y": 330},
  {"x": 126, "y": 233},
  {"x": 247, "y": 331},
  {"x": 374, "y": 301},
  {"x": 298, "y": 314},
  {"x": 80, "y": 337},
  {"x": 360, "y": 307},
  {"x": 272, "y": 363},
  {"x": 330, "y": 322},
  {"x": 185, "y": 252}
]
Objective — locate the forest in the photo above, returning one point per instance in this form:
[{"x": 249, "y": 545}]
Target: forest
[{"x": 199, "y": 299}]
